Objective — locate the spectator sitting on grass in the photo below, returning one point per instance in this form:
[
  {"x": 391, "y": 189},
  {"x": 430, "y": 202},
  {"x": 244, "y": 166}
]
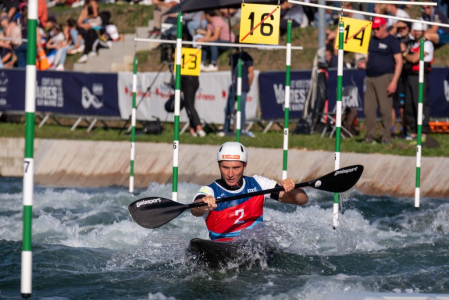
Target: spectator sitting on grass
[
  {"x": 75, "y": 41},
  {"x": 54, "y": 44},
  {"x": 7, "y": 55}
]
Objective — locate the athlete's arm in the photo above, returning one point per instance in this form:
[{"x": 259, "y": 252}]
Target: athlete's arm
[
  {"x": 292, "y": 195},
  {"x": 200, "y": 211}
]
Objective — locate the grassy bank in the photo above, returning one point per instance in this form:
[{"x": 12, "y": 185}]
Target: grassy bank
[{"x": 271, "y": 139}]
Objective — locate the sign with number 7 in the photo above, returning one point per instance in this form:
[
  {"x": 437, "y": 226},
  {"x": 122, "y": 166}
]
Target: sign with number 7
[
  {"x": 357, "y": 34},
  {"x": 259, "y": 24}
]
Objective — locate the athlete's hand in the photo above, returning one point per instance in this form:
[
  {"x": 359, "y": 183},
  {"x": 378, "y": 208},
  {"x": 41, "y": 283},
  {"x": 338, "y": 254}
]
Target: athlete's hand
[
  {"x": 288, "y": 185},
  {"x": 211, "y": 202}
]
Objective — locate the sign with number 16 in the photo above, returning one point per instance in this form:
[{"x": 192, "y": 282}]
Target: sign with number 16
[{"x": 259, "y": 24}]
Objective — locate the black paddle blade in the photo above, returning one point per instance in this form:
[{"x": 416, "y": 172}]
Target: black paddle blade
[
  {"x": 338, "y": 181},
  {"x": 153, "y": 212}
]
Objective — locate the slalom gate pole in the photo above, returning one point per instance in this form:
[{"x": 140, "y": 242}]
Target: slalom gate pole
[
  {"x": 238, "y": 116},
  {"x": 419, "y": 119},
  {"x": 177, "y": 107},
  {"x": 133, "y": 128},
  {"x": 341, "y": 26},
  {"x": 28, "y": 175},
  {"x": 287, "y": 96}
]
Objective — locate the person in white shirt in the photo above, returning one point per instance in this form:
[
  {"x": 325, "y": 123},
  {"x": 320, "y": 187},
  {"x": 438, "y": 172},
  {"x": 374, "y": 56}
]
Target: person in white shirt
[{"x": 393, "y": 24}]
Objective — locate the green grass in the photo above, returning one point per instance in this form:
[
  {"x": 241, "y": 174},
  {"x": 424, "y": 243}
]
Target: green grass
[{"x": 271, "y": 139}]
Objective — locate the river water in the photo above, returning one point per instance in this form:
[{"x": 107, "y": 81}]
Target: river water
[{"x": 86, "y": 246}]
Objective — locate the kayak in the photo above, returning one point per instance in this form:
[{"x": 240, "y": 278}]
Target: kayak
[{"x": 216, "y": 255}]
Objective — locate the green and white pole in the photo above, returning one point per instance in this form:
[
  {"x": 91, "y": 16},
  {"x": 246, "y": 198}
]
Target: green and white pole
[
  {"x": 239, "y": 100},
  {"x": 28, "y": 170},
  {"x": 133, "y": 129},
  {"x": 419, "y": 119},
  {"x": 177, "y": 108},
  {"x": 335, "y": 222},
  {"x": 288, "y": 60}
]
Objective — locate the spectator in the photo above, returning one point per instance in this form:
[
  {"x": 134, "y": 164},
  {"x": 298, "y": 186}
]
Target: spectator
[
  {"x": 331, "y": 58},
  {"x": 89, "y": 37},
  {"x": 42, "y": 13},
  {"x": 8, "y": 57},
  {"x": 75, "y": 41},
  {"x": 189, "y": 86},
  {"x": 380, "y": 8},
  {"x": 292, "y": 12},
  {"x": 383, "y": 68},
  {"x": 435, "y": 34},
  {"x": 217, "y": 31},
  {"x": 404, "y": 37},
  {"x": 54, "y": 44},
  {"x": 247, "y": 79},
  {"x": 20, "y": 48},
  {"x": 412, "y": 94},
  {"x": 109, "y": 35},
  {"x": 89, "y": 17},
  {"x": 392, "y": 24},
  {"x": 11, "y": 7},
  {"x": 158, "y": 15},
  {"x": 195, "y": 21}
]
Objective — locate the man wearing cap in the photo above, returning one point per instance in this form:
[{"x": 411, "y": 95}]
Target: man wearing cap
[
  {"x": 226, "y": 220},
  {"x": 411, "y": 67},
  {"x": 383, "y": 69}
]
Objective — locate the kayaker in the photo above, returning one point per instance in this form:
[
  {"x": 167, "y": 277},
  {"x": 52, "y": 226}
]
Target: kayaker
[{"x": 226, "y": 220}]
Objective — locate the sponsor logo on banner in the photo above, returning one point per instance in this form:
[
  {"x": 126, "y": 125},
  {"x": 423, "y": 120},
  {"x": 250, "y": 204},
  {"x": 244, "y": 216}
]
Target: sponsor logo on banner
[
  {"x": 88, "y": 98},
  {"x": 208, "y": 97},
  {"x": 350, "y": 97},
  {"x": 3, "y": 88},
  {"x": 49, "y": 92},
  {"x": 446, "y": 90},
  {"x": 298, "y": 93},
  {"x": 139, "y": 92}
]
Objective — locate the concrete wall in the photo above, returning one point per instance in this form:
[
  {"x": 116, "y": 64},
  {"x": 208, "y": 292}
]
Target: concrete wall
[{"x": 92, "y": 163}]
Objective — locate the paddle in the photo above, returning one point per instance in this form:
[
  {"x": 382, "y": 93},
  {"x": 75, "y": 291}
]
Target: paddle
[{"x": 153, "y": 212}]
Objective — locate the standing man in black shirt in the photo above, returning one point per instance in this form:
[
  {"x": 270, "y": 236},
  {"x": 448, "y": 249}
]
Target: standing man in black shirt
[{"x": 383, "y": 69}]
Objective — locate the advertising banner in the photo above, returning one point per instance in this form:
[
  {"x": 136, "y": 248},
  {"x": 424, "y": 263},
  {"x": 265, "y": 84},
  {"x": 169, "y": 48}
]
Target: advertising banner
[
  {"x": 71, "y": 93},
  {"x": 272, "y": 92},
  {"x": 210, "y": 101}
]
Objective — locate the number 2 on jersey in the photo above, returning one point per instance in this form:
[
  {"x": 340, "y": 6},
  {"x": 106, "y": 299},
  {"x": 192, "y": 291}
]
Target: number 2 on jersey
[{"x": 240, "y": 213}]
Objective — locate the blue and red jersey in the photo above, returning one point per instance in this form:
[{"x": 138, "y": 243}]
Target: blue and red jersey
[{"x": 227, "y": 220}]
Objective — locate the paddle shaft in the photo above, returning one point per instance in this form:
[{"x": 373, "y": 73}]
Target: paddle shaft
[{"x": 252, "y": 194}]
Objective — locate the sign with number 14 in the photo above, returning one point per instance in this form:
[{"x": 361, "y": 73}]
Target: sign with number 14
[
  {"x": 357, "y": 34},
  {"x": 259, "y": 24}
]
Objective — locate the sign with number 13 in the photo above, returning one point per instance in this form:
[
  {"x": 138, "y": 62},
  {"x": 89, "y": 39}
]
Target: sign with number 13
[
  {"x": 259, "y": 24},
  {"x": 190, "y": 61}
]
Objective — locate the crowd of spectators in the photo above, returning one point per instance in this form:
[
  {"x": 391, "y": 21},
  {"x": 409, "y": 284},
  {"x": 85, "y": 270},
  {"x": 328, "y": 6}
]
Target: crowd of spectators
[
  {"x": 55, "y": 39},
  {"x": 392, "y": 65}
]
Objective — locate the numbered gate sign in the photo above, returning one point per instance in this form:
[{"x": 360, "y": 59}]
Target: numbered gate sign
[
  {"x": 190, "y": 61},
  {"x": 259, "y": 24},
  {"x": 357, "y": 34}
]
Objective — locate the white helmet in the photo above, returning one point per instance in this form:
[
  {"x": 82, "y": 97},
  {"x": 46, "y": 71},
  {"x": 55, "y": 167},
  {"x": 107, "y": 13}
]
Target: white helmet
[
  {"x": 419, "y": 26},
  {"x": 232, "y": 151}
]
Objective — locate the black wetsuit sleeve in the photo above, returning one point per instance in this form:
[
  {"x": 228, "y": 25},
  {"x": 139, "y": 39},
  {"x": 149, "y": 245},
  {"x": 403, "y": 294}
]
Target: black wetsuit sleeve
[{"x": 275, "y": 195}]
